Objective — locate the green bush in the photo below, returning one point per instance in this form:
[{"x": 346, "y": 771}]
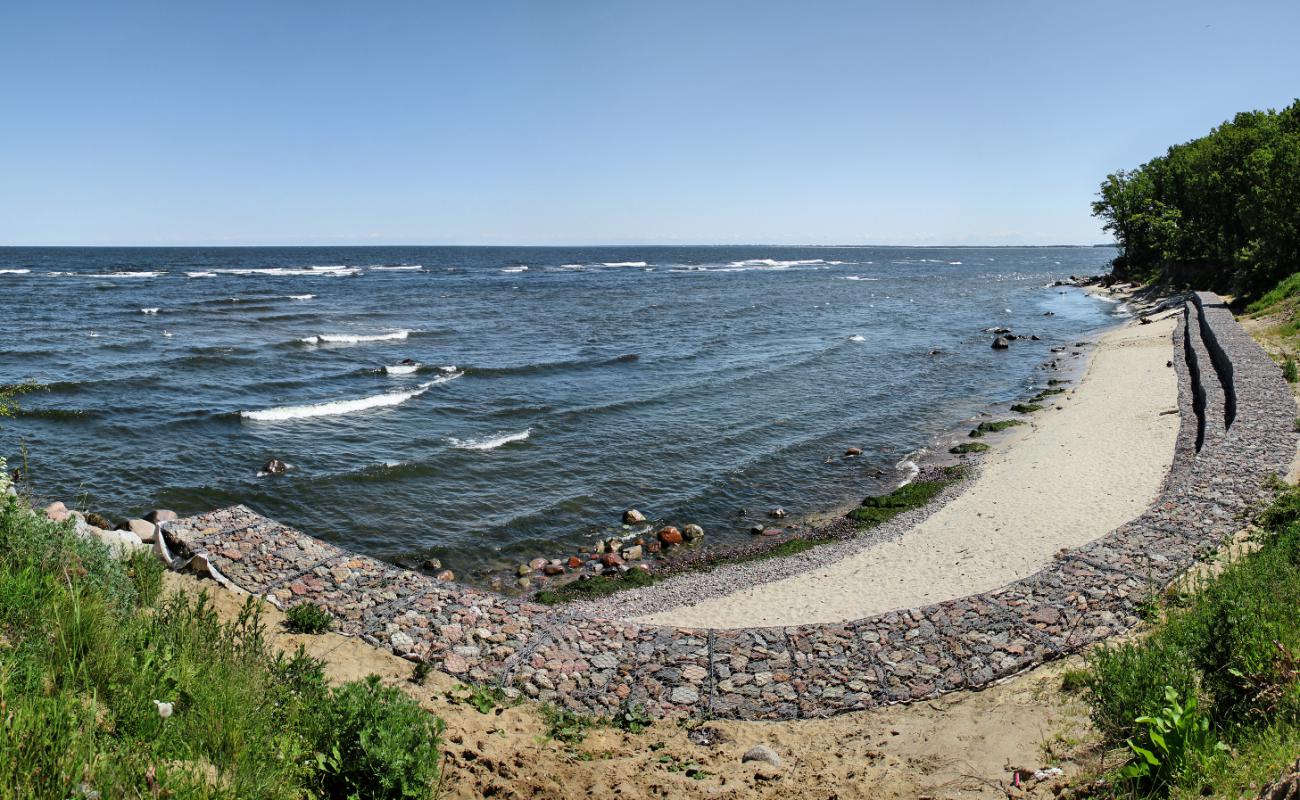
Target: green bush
[
  {"x": 1289, "y": 371},
  {"x": 1129, "y": 681},
  {"x": 308, "y": 618},
  {"x": 378, "y": 743}
]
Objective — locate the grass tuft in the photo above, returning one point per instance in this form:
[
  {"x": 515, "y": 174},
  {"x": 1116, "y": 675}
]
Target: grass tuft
[{"x": 308, "y": 618}]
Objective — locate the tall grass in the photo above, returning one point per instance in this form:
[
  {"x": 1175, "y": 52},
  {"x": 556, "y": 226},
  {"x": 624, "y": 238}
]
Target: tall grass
[
  {"x": 1231, "y": 655},
  {"x": 108, "y": 687}
]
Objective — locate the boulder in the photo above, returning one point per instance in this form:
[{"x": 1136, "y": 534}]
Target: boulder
[
  {"x": 853, "y": 451},
  {"x": 611, "y": 560},
  {"x": 275, "y": 467},
  {"x": 762, "y": 753},
  {"x": 145, "y": 530},
  {"x": 756, "y": 530},
  {"x": 670, "y": 536},
  {"x": 432, "y": 564},
  {"x": 1000, "y": 343},
  {"x": 632, "y": 553},
  {"x": 633, "y": 517},
  {"x": 99, "y": 520},
  {"x": 160, "y": 515},
  {"x": 777, "y": 513},
  {"x": 692, "y": 532},
  {"x": 56, "y": 511}
]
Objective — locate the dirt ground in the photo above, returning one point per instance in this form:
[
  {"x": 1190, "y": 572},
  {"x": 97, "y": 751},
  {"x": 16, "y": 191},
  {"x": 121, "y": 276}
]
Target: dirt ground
[{"x": 963, "y": 745}]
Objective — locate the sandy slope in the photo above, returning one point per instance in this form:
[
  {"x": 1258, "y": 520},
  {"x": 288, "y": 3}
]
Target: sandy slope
[{"x": 1093, "y": 459}]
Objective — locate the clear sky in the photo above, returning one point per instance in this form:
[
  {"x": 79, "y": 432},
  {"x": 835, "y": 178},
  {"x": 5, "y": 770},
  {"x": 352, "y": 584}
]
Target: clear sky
[{"x": 554, "y": 122}]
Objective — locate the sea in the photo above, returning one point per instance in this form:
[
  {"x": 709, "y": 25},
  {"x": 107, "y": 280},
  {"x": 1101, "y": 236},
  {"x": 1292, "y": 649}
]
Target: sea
[{"x": 488, "y": 405}]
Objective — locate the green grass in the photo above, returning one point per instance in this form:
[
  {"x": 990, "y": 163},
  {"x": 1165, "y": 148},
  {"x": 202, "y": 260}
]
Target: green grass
[
  {"x": 1230, "y": 655},
  {"x": 308, "y": 618},
  {"x": 968, "y": 447},
  {"x": 1026, "y": 408},
  {"x": 92, "y": 655},
  {"x": 598, "y": 586},
  {"x": 875, "y": 510},
  {"x": 1288, "y": 289},
  {"x": 994, "y": 427},
  {"x": 1289, "y": 371}
]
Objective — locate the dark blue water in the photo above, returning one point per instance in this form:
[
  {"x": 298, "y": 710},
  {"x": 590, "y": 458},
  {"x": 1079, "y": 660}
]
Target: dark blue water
[{"x": 556, "y": 387}]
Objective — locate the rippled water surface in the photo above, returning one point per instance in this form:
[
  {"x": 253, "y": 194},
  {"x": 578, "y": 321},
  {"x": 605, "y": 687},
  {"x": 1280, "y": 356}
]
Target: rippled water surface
[{"x": 551, "y": 387}]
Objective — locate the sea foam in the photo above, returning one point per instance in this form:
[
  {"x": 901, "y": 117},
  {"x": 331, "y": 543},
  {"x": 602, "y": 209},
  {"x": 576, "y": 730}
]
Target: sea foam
[
  {"x": 346, "y": 338},
  {"x": 401, "y": 369},
  {"x": 490, "y": 442},
  {"x": 337, "y": 407}
]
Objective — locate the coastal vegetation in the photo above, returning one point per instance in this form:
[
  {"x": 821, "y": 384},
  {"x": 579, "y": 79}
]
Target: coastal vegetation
[
  {"x": 994, "y": 427},
  {"x": 882, "y": 508},
  {"x": 1218, "y": 212},
  {"x": 110, "y": 687},
  {"x": 1208, "y": 704},
  {"x": 968, "y": 447}
]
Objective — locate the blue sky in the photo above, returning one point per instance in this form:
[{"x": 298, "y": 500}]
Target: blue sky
[{"x": 551, "y": 122}]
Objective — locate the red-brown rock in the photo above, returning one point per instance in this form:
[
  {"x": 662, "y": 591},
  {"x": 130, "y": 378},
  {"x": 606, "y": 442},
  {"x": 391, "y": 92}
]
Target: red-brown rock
[
  {"x": 670, "y": 536},
  {"x": 611, "y": 559},
  {"x": 574, "y": 562}
]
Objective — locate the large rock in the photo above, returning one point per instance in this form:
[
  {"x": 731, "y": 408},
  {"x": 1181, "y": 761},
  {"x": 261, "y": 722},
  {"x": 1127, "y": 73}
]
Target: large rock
[
  {"x": 692, "y": 532},
  {"x": 776, "y": 513},
  {"x": 633, "y": 517},
  {"x": 145, "y": 530},
  {"x": 275, "y": 467},
  {"x": 852, "y": 451},
  {"x": 762, "y": 753},
  {"x": 633, "y": 553},
  {"x": 160, "y": 515},
  {"x": 1000, "y": 343},
  {"x": 56, "y": 511}
]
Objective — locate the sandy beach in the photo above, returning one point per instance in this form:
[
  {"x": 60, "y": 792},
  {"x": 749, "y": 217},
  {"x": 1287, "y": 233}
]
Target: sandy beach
[{"x": 1092, "y": 460}]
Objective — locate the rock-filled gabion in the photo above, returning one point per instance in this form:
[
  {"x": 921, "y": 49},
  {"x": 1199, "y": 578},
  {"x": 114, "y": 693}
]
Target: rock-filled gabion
[{"x": 1237, "y": 431}]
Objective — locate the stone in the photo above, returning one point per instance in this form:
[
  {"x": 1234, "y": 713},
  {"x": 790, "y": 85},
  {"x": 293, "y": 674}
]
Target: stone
[
  {"x": 611, "y": 559},
  {"x": 99, "y": 521},
  {"x": 770, "y": 532},
  {"x": 275, "y": 467},
  {"x": 763, "y": 753},
  {"x": 669, "y": 536},
  {"x": 692, "y": 532},
  {"x": 574, "y": 562},
  {"x": 853, "y": 451},
  {"x": 160, "y": 515},
  {"x": 446, "y": 576},
  {"x": 537, "y": 563},
  {"x": 553, "y": 568},
  {"x": 145, "y": 530},
  {"x": 632, "y": 553},
  {"x": 633, "y": 517},
  {"x": 401, "y": 643},
  {"x": 432, "y": 564},
  {"x": 1000, "y": 343},
  {"x": 685, "y": 695},
  {"x": 523, "y": 569},
  {"x": 777, "y": 513},
  {"x": 56, "y": 511}
]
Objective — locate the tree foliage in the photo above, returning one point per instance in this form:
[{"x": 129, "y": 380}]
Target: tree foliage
[{"x": 1221, "y": 211}]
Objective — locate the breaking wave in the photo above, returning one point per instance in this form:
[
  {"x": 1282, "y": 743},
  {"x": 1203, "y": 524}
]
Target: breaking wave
[{"x": 490, "y": 442}]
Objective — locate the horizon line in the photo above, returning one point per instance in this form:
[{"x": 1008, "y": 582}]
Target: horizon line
[{"x": 532, "y": 246}]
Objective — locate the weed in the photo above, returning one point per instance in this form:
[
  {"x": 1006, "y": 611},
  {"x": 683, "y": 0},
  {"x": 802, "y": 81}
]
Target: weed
[
  {"x": 308, "y": 618},
  {"x": 1075, "y": 680},
  {"x": 1168, "y": 743},
  {"x": 484, "y": 699},
  {"x": 1289, "y": 370},
  {"x": 566, "y": 726},
  {"x": 633, "y": 718},
  {"x": 597, "y": 586},
  {"x": 875, "y": 510},
  {"x": 420, "y": 672}
]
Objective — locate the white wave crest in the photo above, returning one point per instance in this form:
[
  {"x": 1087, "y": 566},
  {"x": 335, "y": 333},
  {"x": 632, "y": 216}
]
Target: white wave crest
[
  {"x": 125, "y": 274},
  {"x": 14, "y": 271},
  {"x": 336, "y": 407},
  {"x": 149, "y": 310},
  {"x": 345, "y": 338},
  {"x": 514, "y": 269},
  {"x": 301, "y": 296},
  {"x": 857, "y": 338},
  {"x": 201, "y": 274},
  {"x": 490, "y": 442},
  {"x": 857, "y": 278},
  {"x": 397, "y": 267},
  {"x": 401, "y": 369},
  {"x": 624, "y": 263}
]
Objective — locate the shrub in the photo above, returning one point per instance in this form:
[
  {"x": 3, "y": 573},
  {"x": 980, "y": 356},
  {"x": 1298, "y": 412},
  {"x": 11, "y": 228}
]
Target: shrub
[
  {"x": 1289, "y": 370},
  {"x": 377, "y": 743},
  {"x": 308, "y": 618},
  {"x": 1129, "y": 681},
  {"x": 1168, "y": 743}
]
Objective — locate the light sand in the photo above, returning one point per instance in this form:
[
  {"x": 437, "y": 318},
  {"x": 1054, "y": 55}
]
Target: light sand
[{"x": 1093, "y": 459}]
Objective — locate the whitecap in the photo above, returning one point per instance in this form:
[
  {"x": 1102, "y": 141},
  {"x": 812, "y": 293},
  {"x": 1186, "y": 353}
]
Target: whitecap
[
  {"x": 624, "y": 263},
  {"x": 857, "y": 278},
  {"x": 490, "y": 442},
  {"x": 14, "y": 271},
  {"x": 125, "y": 274},
  {"x": 149, "y": 310},
  {"x": 450, "y": 368},
  {"x": 335, "y": 407},
  {"x": 514, "y": 269},
  {"x": 201, "y": 274},
  {"x": 401, "y": 369},
  {"x": 301, "y": 296},
  {"x": 168, "y": 334},
  {"x": 346, "y": 338},
  {"x": 857, "y": 338},
  {"x": 398, "y": 267}
]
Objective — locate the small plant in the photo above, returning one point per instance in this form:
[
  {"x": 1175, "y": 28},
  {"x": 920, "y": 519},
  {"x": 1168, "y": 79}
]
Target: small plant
[
  {"x": 1026, "y": 408},
  {"x": 484, "y": 699},
  {"x": 968, "y": 447},
  {"x": 308, "y": 618},
  {"x": 146, "y": 574},
  {"x": 1075, "y": 680},
  {"x": 420, "y": 672},
  {"x": 1169, "y": 742},
  {"x": 564, "y": 725},
  {"x": 377, "y": 742},
  {"x": 633, "y": 718},
  {"x": 1289, "y": 370}
]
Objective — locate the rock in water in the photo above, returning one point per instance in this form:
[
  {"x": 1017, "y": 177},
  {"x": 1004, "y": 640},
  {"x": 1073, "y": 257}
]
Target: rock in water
[
  {"x": 446, "y": 576},
  {"x": 633, "y": 553},
  {"x": 275, "y": 467},
  {"x": 776, "y": 513},
  {"x": 670, "y": 535},
  {"x": 762, "y": 753},
  {"x": 853, "y": 451},
  {"x": 160, "y": 515},
  {"x": 1000, "y": 343},
  {"x": 692, "y": 532},
  {"x": 633, "y": 517}
]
